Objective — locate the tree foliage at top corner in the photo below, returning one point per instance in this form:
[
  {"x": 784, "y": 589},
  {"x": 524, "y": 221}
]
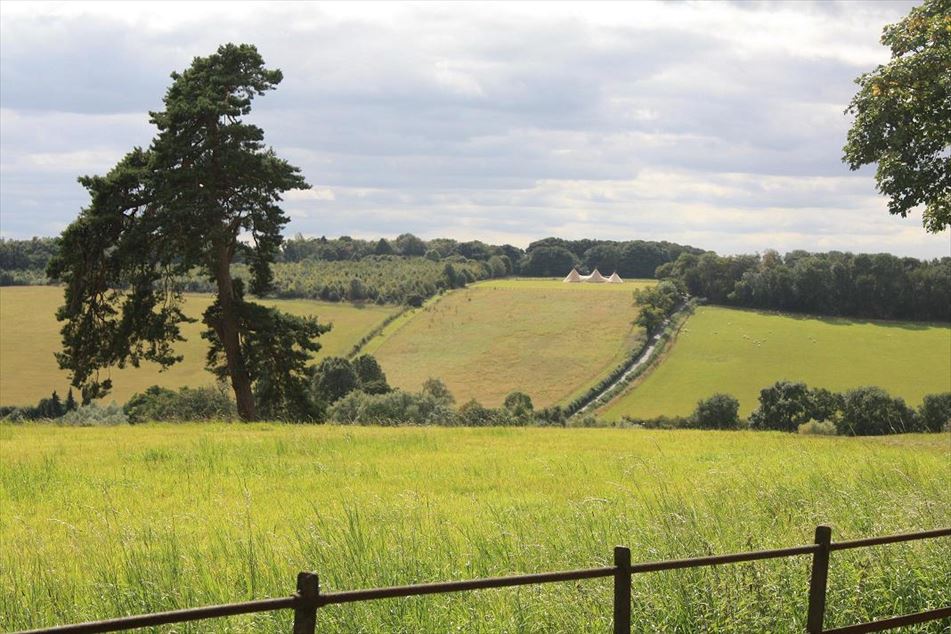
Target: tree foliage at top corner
[
  {"x": 903, "y": 116},
  {"x": 204, "y": 191}
]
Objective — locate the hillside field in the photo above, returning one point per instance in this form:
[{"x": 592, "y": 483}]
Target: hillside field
[
  {"x": 105, "y": 521},
  {"x": 742, "y": 351},
  {"x": 29, "y": 336},
  {"x": 548, "y": 339}
]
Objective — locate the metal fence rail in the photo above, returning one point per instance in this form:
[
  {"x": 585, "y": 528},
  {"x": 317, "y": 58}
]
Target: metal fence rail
[{"x": 308, "y": 599}]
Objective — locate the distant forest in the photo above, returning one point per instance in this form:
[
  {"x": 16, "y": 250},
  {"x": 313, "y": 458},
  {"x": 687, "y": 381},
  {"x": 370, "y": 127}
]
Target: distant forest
[{"x": 408, "y": 269}]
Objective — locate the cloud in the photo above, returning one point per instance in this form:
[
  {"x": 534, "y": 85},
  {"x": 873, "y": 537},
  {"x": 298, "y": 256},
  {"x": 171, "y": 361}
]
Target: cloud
[{"x": 711, "y": 123}]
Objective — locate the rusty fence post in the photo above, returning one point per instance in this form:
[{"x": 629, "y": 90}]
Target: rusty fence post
[
  {"x": 818, "y": 579},
  {"x": 622, "y": 590},
  {"x": 305, "y": 614}
]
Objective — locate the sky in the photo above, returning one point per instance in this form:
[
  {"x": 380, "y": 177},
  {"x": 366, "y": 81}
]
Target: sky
[{"x": 718, "y": 125}]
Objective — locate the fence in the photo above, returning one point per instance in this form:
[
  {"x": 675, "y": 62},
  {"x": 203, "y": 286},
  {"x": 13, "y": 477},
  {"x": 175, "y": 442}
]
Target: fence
[{"x": 308, "y": 599}]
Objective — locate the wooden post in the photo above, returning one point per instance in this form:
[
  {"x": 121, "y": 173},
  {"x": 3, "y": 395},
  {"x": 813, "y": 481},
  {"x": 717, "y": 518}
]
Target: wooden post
[
  {"x": 622, "y": 590},
  {"x": 818, "y": 579},
  {"x": 305, "y": 614}
]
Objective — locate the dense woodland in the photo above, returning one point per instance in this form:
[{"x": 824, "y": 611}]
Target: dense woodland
[
  {"x": 407, "y": 270},
  {"x": 878, "y": 286}
]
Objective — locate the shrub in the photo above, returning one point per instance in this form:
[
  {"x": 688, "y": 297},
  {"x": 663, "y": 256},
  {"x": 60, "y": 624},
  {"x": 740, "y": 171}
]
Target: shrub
[
  {"x": 826, "y": 405},
  {"x": 370, "y": 375},
  {"x": 553, "y": 415},
  {"x": 818, "y": 428},
  {"x": 656, "y": 304},
  {"x": 392, "y": 408},
  {"x": 333, "y": 379},
  {"x": 187, "y": 404},
  {"x": 437, "y": 390},
  {"x": 935, "y": 412},
  {"x": 784, "y": 406},
  {"x": 870, "y": 411},
  {"x": 93, "y": 414},
  {"x": 519, "y": 404},
  {"x": 659, "y": 422},
  {"x": 473, "y": 414},
  {"x": 720, "y": 411}
]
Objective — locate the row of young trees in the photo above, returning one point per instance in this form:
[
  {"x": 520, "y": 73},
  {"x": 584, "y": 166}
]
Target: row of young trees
[
  {"x": 383, "y": 279},
  {"x": 880, "y": 286},
  {"x": 793, "y": 406}
]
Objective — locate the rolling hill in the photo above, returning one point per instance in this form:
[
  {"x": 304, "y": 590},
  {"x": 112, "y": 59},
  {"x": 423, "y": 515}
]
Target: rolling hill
[
  {"x": 29, "y": 336},
  {"x": 548, "y": 339},
  {"x": 742, "y": 351}
]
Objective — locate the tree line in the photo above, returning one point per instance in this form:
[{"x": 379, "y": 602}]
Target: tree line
[
  {"x": 550, "y": 257},
  {"x": 877, "y": 286},
  {"x": 792, "y": 406},
  {"x": 409, "y": 269},
  {"x": 337, "y": 390}
]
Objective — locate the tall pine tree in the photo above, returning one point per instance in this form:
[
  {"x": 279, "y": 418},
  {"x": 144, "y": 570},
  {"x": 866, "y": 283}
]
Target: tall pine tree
[{"x": 205, "y": 191}]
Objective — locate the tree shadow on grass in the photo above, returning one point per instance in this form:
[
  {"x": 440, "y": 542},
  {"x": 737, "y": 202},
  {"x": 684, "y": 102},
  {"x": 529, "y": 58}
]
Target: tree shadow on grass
[{"x": 851, "y": 321}]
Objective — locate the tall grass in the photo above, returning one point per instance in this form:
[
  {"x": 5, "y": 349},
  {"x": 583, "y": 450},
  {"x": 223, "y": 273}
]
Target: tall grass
[{"x": 98, "y": 522}]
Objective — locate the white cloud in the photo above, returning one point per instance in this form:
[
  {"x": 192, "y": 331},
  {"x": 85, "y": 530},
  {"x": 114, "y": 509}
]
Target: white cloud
[{"x": 711, "y": 123}]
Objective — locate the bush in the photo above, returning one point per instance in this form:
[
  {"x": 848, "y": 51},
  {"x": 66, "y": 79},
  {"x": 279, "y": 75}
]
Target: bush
[
  {"x": 392, "y": 408},
  {"x": 720, "y": 411},
  {"x": 519, "y": 405},
  {"x": 784, "y": 406},
  {"x": 473, "y": 414},
  {"x": 437, "y": 390},
  {"x": 935, "y": 412},
  {"x": 656, "y": 304},
  {"x": 333, "y": 379},
  {"x": 93, "y": 414},
  {"x": 870, "y": 411},
  {"x": 818, "y": 428},
  {"x": 370, "y": 375},
  {"x": 659, "y": 422},
  {"x": 187, "y": 404}
]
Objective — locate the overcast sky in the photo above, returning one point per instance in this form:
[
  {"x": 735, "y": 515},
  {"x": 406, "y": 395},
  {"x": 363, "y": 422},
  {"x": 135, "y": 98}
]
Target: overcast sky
[{"x": 717, "y": 125}]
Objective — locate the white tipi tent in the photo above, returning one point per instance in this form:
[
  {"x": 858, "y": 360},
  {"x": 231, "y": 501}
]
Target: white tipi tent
[
  {"x": 615, "y": 279},
  {"x": 595, "y": 277},
  {"x": 572, "y": 277}
]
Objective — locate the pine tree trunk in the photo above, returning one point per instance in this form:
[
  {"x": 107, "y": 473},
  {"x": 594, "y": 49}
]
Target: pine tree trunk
[{"x": 228, "y": 333}]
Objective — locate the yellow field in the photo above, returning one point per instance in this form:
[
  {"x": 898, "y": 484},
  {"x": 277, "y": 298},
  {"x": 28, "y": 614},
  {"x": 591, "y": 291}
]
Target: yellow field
[
  {"x": 742, "y": 351},
  {"x": 548, "y": 339},
  {"x": 29, "y": 335}
]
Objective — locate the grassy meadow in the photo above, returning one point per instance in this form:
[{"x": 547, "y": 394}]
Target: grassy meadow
[
  {"x": 105, "y": 521},
  {"x": 742, "y": 351},
  {"x": 548, "y": 339},
  {"x": 29, "y": 336}
]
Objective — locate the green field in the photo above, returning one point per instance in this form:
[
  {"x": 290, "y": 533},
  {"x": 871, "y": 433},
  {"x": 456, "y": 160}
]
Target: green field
[
  {"x": 742, "y": 351},
  {"x": 105, "y": 521},
  {"x": 548, "y": 339},
  {"x": 29, "y": 335}
]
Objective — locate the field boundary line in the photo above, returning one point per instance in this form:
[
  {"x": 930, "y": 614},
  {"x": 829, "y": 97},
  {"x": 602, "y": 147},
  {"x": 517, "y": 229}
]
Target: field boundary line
[{"x": 636, "y": 366}]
